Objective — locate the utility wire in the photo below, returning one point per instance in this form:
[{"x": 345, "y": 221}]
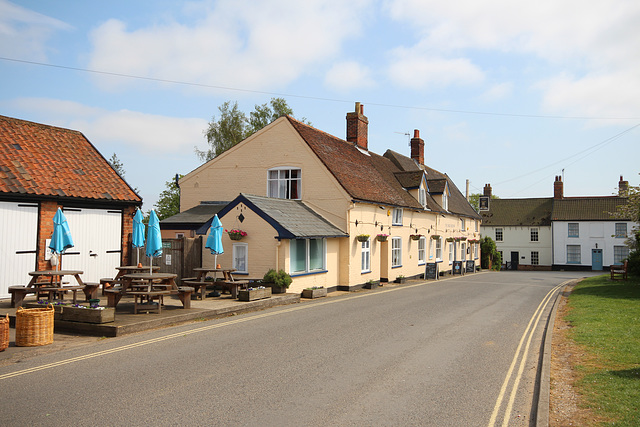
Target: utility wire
[{"x": 183, "y": 83}]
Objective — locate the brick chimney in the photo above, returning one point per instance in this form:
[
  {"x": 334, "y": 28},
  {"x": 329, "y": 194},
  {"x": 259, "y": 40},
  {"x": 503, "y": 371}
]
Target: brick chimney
[
  {"x": 417, "y": 147},
  {"x": 357, "y": 127},
  {"x": 558, "y": 188},
  {"x": 487, "y": 190},
  {"x": 623, "y": 187}
]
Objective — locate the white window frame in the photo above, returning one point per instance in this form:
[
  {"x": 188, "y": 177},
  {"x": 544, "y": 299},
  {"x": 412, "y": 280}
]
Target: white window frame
[
  {"x": 620, "y": 253},
  {"x": 422, "y": 250},
  {"x": 576, "y": 254},
  {"x": 500, "y": 232},
  {"x": 462, "y": 225},
  {"x": 397, "y": 216},
  {"x": 438, "y": 249},
  {"x": 396, "y": 252},
  {"x": 307, "y": 270},
  {"x": 365, "y": 258},
  {"x": 535, "y": 258},
  {"x": 422, "y": 196},
  {"x": 281, "y": 180},
  {"x": 235, "y": 264},
  {"x": 619, "y": 233},
  {"x": 450, "y": 252},
  {"x": 445, "y": 200},
  {"x": 573, "y": 229},
  {"x": 534, "y": 234}
]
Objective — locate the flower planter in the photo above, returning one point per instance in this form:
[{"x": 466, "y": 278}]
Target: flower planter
[
  {"x": 362, "y": 237},
  {"x": 254, "y": 294},
  {"x": 416, "y": 236},
  {"x": 371, "y": 285},
  {"x": 401, "y": 280},
  {"x": 381, "y": 238},
  {"x": 275, "y": 289},
  {"x": 314, "y": 293},
  {"x": 235, "y": 236},
  {"x": 88, "y": 315}
]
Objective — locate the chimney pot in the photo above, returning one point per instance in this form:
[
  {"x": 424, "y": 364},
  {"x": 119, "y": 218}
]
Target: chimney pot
[
  {"x": 487, "y": 190},
  {"x": 417, "y": 148},
  {"x": 357, "y": 127},
  {"x": 558, "y": 188}
]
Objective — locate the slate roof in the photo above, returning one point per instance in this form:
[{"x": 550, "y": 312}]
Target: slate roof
[
  {"x": 49, "y": 161},
  {"x": 541, "y": 211},
  {"x": 195, "y": 216},
  {"x": 369, "y": 177},
  {"x": 587, "y": 208},
  {"x": 292, "y": 219},
  {"x": 514, "y": 212}
]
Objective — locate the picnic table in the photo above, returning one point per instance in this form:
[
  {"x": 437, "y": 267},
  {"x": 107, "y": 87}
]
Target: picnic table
[
  {"x": 146, "y": 288},
  {"x": 228, "y": 282},
  {"x": 52, "y": 287}
]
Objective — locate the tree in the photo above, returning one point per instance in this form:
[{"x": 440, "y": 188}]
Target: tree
[
  {"x": 631, "y": 211},
  {"x": 490, "y": 258},
  {"x": 233, "y": 125},
  {"x": 168, "y": 203},
  {"x": 474, "y": 200},
  {"x": 117, "y": 165}
]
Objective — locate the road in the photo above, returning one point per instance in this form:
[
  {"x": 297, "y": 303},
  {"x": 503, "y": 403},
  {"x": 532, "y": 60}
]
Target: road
[{"x": 455, "y": 352}]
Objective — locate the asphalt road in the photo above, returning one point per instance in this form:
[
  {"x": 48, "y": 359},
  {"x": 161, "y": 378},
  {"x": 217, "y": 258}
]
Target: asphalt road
[{"x": 456, "y": 352}]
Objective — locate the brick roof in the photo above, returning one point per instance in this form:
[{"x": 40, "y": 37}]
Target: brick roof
[
  {"x": 369, "y": 177},
  {"x": 48, "y": 161},
  {"x": 587, "y": 208}
]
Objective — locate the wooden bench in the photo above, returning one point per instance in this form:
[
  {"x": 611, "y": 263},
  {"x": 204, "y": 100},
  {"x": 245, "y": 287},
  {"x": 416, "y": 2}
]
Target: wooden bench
[
  {"x": 18, "y": 293},
  {"x": 619, "y": 270},
  {"x": 184, "y": 293},
  {"x": 90, "y": 290},
  {"x": 139, "y": 298},
  {"x": 199, "y": 287}
]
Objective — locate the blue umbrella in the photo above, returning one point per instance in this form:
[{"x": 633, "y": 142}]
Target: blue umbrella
[
  {"x": 137, "y": 239},
  {"x": 61, "y": 239},
  {"x": 154, "y": 238},
  {"x": 214, "y": 240}
]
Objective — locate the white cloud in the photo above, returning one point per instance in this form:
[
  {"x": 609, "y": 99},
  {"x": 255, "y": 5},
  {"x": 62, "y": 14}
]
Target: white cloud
[
  {"x": 249, "y": 45},
  {"x": 349, "y": 75},
  {"x": 498, "y": 91},
  {"x": 594, "y": 42},
  {"x": 413, "y": 70},
  {"x": 136, "y": 131},
  {"x": 24, "y": 33}
]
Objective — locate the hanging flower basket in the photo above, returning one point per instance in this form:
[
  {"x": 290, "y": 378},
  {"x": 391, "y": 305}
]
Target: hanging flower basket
[
  {"x": 236, "y": 234},
  {"x": 382, "y": 237},
  {"x": 449, "y": 239},
  {"x": 435, "y": 236},
  {"x": 362, "y": 237},
  {"x": 416, "y": 236}
]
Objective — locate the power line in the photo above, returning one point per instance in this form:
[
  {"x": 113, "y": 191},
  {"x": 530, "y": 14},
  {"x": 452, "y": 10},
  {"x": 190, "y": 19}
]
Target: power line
[{"x": 317, "y": 98}]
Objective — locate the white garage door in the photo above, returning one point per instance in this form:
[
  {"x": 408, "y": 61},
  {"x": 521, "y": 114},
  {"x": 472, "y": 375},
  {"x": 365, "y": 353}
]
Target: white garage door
[
  {"x": 19, "y": 239},
  {"x": 96, "y": 237}
]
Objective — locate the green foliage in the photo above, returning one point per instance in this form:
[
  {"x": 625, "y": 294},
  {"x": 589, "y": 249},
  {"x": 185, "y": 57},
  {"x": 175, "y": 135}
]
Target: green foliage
[
  {"x": 117, "y": 165},
  {"x": 280, "y": 278},
  {"x": 490, "y": 258},
  {"x": 634, "y": 263},
  {"x": 233, "y": 126},
  {"x": 474, "y": 200},
  {"x": 604, "y": 319},
  {"x": 168, "y": 203}
]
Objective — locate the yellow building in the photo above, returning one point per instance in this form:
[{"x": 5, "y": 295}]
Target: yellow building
[{"x": 307, "y": 200}]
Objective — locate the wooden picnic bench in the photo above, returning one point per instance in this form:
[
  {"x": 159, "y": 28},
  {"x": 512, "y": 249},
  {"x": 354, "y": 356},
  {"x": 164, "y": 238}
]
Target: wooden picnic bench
[{"x": 619, "y": 271}]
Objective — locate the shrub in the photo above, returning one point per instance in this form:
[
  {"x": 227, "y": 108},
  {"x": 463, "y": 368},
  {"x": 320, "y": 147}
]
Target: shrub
[{"x": 280, "y": 278}]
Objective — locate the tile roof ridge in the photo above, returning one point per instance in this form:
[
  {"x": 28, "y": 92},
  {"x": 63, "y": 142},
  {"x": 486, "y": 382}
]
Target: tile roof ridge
[
  {"x": 293, "y": 119},
  {"x": 41, "y": 125}
]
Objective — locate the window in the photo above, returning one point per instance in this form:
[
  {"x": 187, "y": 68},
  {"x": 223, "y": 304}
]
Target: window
[
  {"x": 450, "y": 252},
  {"x": 397, "y": 217},
  {"x": 240, "y": 254},
  {"x": 621, "y": 230},
  {"x": 476, "y": 223},
  {"x": 534, "y": 234},
  {"x": 422, "y": 196},
  {"x": 445, "y": 201},
  {"x": 438, "y": 249},
  {"x": 499, "y": 235},
  {"x": 284, "y": 183},
  {"x": 365, "y": 263},
  {"x": 396, "y": 252},
  {"x": 462, "y": 224},
  {"x": 573, "y": 254},
  {"x": 475, "y": 250},
  {"x": 535, "y": 258},
  {"x": 620, "y": 253},
  {"x": 463, "y": 251},
  {"x": 307, "y": 255},
  {"x": 422, "y": 252},
  {"x": 574, "y": 229}
]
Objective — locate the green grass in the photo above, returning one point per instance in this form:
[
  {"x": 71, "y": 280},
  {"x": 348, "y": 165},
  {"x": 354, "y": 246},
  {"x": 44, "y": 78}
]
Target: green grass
[{"x": 605, "y": 316}]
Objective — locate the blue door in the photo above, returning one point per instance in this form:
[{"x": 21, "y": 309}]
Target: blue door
[{"x": 596, "y": 259}]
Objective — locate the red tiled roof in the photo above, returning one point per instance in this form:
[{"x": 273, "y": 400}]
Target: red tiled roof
[{"x": 42, "y": 160}]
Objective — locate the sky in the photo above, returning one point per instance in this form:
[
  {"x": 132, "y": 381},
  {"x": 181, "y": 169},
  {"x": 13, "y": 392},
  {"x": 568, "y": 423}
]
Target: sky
[{"x": 507, "y": 93}]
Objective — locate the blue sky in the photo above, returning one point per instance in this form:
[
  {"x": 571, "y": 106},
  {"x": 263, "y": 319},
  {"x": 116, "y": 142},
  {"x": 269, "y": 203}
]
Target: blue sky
[{"x": 503, "y": 92}]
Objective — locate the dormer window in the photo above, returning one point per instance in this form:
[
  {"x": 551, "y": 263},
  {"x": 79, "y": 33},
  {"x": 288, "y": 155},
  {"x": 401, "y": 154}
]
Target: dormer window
[
  {"x": 445, "y": 201},
  {"x": 284, "y": 183},
  {"x": 422, "y": 196}
]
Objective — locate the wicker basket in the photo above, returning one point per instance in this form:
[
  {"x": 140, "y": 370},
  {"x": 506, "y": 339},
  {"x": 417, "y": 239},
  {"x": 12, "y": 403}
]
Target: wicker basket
[
  {"x": 34, "y": 326},
  {"x": 4, "y": 333}
]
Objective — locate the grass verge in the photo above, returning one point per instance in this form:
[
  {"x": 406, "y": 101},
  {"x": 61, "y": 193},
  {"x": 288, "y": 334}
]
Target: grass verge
[{"x": 605, "y": 320}]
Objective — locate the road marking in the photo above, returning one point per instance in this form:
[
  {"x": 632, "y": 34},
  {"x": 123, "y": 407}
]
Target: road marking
[
  {"x": 302, "y": 306},
  {"x": 528, "y": 336}
]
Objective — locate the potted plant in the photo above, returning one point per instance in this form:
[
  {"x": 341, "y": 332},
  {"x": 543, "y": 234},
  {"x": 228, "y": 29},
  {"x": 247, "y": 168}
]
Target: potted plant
[
  {"x": 371, "y": 284},
  {"x": 382, "y": 237},
  {"x": 278, "y": 281},
  {"x": 236, "y": 234},
  {"x": 401, "y": 279},
  {"x": 314, "y": 292},
  {"x": 416, "y": 236},
  {"x": 362, "y": 237},
  {"x": 254, "y": 293}
]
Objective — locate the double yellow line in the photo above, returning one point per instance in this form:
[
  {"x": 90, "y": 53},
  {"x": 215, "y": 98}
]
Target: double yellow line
[{"x": 528, "y": 336}]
